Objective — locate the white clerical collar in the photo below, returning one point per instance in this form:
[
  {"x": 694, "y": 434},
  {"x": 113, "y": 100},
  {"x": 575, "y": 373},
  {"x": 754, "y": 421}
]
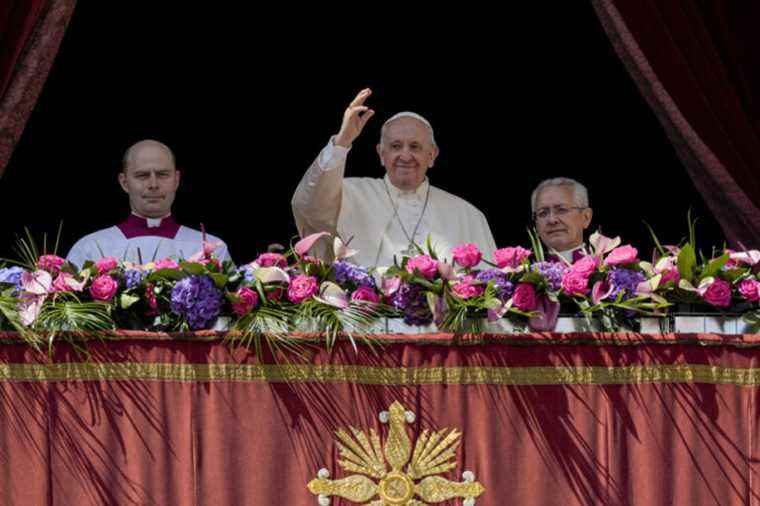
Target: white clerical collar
[
  {"x": 420, "y": 192},
  {"x": 152, "y": 222},
  {"x": 568, "y": 254}
]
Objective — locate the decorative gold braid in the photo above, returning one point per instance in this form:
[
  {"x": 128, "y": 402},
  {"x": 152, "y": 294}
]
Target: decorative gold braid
[{"x": 372, "y": 375}]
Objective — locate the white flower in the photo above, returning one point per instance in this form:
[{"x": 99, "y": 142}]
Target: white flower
[
  {"x": 323, "y": 474},
  {"x": 468, "y": 476},
  {"x": 384, "y": 417},
  {"x": 323, "y": 500},
  {"x": 410, "y": 418}
]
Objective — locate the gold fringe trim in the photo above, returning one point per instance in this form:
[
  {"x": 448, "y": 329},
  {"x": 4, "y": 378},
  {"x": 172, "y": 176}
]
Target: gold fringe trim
[{"x": 368, "y": 375}]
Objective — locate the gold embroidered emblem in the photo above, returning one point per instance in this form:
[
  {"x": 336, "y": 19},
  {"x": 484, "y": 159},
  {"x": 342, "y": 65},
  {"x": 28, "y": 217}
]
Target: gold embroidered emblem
[{"x": 434, "y": 453}]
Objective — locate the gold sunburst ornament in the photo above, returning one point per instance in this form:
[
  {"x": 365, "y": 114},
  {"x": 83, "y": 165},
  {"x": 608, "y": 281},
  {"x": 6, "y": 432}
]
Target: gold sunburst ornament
[{"x": 434, "y": 453}]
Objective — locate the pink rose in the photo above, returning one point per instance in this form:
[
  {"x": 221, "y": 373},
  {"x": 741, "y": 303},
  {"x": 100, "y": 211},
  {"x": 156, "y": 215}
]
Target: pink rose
[
  {"x": 106, "y": 265},
  {"x": 167, "y": 263},
  {"x": 365, "y": 293},
  {"x": 718, "y": 293},
  {"x": 272, "y": 260},
  {"x": 103, "y": 288},
  {"x": 302, "y": 288},
  {"x": 467, "y": 288},
  {"x": 524, "y": 297},
  {"x": 585, "y": 266},
  {"x": 575, "y": 282},
  {"x": 424, "y": 265},
  {"x": 467, "y": 255},
  {"x": 51, "y": 263},
  {"x": 248, "y": 299},
  {"x": 510, "y": 257},
  {"x": 622, "y": 256},
  {"x": 750, "y": 289}
]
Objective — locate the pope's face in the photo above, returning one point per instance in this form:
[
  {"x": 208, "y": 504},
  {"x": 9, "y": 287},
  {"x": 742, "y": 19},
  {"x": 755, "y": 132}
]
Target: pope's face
[
  {"x": 407, "y": 152},
  {"x": 560, "y": 223},
  {"x": 151, "y": 180}
]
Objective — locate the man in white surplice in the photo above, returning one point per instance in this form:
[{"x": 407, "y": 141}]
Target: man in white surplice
[
  {"x": 150, "y": 178},
  {"x": 385, "y": 216}
]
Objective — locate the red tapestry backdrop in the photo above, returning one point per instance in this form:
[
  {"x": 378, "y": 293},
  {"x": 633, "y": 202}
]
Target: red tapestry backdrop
[{"x": 544, "y": 419}]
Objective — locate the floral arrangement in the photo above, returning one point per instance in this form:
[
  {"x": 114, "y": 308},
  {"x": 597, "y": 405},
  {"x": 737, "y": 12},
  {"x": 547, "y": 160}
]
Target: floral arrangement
[{"x": 279, "y": 293}]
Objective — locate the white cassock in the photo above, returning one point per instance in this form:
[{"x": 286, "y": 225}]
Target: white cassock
[
  {"x": 379, "y": 217},
  {"x": 142, "y": 240}
]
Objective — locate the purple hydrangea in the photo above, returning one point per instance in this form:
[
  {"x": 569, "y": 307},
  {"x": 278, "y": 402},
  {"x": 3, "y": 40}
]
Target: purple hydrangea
[
  {"x": 197, "y": 300},
  {"x": 11, "y": 276},
  {"x": 504, "y": 287},
  {"x": 624, "y": 280},
  {"x": 411, "y": 300},
  {"x": 552, "y": 271},
  {"x": 132, "y": 278},
  {"x": 346, "y": 272}
]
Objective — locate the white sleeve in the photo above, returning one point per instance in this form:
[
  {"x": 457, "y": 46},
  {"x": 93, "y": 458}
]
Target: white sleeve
[
  {"x": 80, "y": 253},
  {"x": 317, "y": 199}
]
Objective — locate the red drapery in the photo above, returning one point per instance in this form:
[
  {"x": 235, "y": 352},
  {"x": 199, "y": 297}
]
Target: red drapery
[
  {"x": 30, "y": 34},
  {"x": 590, "y": 419},
  {"x": 697, "y": 63}
]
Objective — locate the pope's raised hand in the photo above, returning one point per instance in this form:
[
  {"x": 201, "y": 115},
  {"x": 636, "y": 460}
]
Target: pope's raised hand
[{"x": 356, "y": 116}]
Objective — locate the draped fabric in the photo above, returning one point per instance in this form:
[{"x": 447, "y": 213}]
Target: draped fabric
[
  {"x": 30, "y": 34},
  {"x": 697, "y": 64},
  {"x": 545, "y": 419}
]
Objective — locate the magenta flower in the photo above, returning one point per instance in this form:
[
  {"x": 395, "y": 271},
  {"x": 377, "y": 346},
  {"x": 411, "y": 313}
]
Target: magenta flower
[
  {"x": 423, "y": 264},
  {"x": 103, "y": 288},
  {"x": 467, "y": 255},
  {"x": 106, "y": 265},
  {"x": 247, "y": 300},
  {"x": 524, "y": 297},
  {"x": 623, "y": 255},
  {"x": 510, "y": 257},
  {"x": 302, "y": 288},
  {"x": 50, "y": 263}
]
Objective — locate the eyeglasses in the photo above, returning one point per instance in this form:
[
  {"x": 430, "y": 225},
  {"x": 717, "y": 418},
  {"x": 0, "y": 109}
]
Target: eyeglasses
[{"x": 558, "y": 211}]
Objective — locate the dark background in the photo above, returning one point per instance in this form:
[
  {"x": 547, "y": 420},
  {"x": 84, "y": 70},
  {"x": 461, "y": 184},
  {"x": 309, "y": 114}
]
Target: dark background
[{"x": 247, "y": 98}]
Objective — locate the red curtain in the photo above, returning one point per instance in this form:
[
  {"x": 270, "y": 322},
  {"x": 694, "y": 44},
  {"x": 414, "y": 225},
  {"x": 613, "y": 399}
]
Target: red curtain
[
  {"x": 697, "y": 63},
  {"x": 545, "y": 419},
  {"x": 30, "y": 34}
]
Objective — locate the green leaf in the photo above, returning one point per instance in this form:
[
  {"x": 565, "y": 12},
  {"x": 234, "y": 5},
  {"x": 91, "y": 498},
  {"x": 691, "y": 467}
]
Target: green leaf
[
  {"x": 220, "y": 280},
  {"x": 687, "y": 262},
  {"x": 192, "y": 268},
  {"x": 492, "y": 303},
  {"x": 714, "y": 267},
  {"x": 174, "y": 274},
  {"x": 126, "y": 300}
]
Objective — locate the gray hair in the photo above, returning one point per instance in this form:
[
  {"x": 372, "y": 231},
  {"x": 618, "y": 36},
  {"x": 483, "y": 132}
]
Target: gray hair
[
  {"x": 408, "y": 114},
  {"x": 129, "y": 153},
  {"x": 580, "y": 193}
]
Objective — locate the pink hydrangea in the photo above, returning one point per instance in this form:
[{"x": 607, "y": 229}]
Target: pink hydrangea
[
  {"x": 718, "y": 293},
  {"x": 301, "y": 288},
  {"x": 51, "y": 263},
  {"x": 585, "y": 266},
  {"x": 510, "y": 257},
  {"x": 622, "y": 255},
  {"x": 467, "y": 255},
  {"x": 750, "y": 289},
  {"x": 103, "y": 288},
  {"x": 166, "y": 263},
  {"x": 575, "y": 282},
  {"x": 365, "y": 293},
  {"x": 106, "y": 265},
  {"x": 247, "y": 300},
  {"x": 467, "y": 288},
  {"x": 272, "y": 260},
  {"x": 525, "y": 298},
  {"x": 425, "y": 265}
]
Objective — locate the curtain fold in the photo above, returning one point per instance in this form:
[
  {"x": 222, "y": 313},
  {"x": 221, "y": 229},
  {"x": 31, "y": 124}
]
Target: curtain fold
[
  {"x": 696, "y": 62},
  {"x": 30, "y": 35}
]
